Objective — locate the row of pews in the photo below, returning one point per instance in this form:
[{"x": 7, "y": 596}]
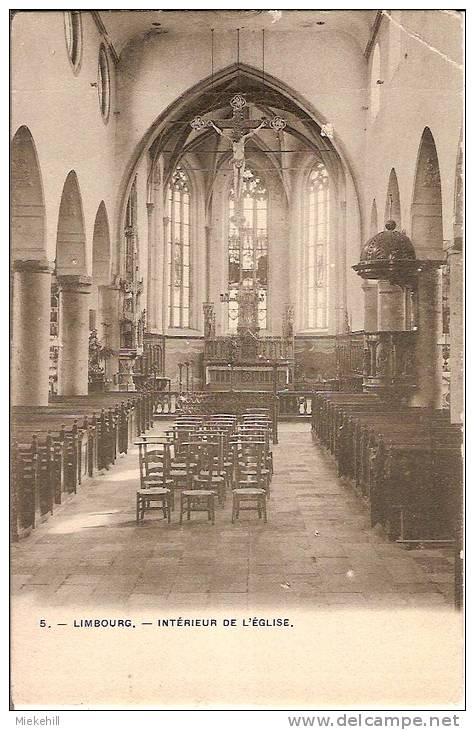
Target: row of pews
[
  {"x": 405, "y": 463},
  {"x": 55, "y": 447}
]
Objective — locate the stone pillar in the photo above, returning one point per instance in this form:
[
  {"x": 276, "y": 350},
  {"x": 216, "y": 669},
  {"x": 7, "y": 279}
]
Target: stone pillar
[
  {"x": 426, "y": 340},
  {"x": 110, "y": 304},
  {"x": 370, "y": 292},
  {"x": 151, "y": 275},
  {"x": 455, "y": 261},
  {"x": 74, "y": 291},
  {"x": 31, "y": 332},
  {"x": 390, "y": 307}
]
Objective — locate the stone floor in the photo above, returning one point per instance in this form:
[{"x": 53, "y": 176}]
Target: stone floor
[{"x": 317, "y": 549}]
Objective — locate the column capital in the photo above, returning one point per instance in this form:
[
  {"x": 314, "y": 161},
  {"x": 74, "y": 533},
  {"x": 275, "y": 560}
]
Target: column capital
[
  {"x": 78, "y": 283},
  {"x": 34, "y": 266},
  {"x": 150, "y": 207}
]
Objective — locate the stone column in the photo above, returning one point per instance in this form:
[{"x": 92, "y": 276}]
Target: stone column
[
  {"x": 110, "y": 304},
  {"x": 426, "y": 340},
  {"x": 74, "y": 291},
  {"x": 390, "y": 307},
  {"x": 370, "y": 293},
  {"x": 151, "y": 276},
  {"x": 31, "y": 332},
  {"x": 455, "y": 261}
]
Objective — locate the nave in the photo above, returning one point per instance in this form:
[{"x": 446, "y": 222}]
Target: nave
[
  {"x": 249, "y": 223},
  {"x": 317, "y": 550}
]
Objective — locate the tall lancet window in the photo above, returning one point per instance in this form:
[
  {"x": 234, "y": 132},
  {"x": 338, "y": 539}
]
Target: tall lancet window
[
  {"x": 179, "y": 303},
  {"x": 247, "y": 248},
  {"x": 317, "y": 236}
]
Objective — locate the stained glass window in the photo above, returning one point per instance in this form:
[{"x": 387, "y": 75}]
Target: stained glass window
[
  {"x": 179, "y": 303},
  {"x": 316, "y": 250},
  {"x": 248, "y": 253}
]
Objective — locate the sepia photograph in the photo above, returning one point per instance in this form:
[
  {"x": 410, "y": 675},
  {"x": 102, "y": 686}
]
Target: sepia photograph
[{"x": 236, "y": 358}]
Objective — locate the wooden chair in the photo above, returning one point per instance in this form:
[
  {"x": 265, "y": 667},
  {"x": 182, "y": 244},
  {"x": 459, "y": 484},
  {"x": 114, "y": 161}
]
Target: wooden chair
[
  {"x": 183, "y": 468},
  {"x": 197, "y": 500},
  {"x": 247, "y": 448},
  {"x": 211, "y": 473},
  {"x": 201, "y": 497},
  {"x": 251, "y": 483},
  {"x": 147, "y": 497},
  {"x": 259, "y": 432},
  {"x": 155, "y": 481}
]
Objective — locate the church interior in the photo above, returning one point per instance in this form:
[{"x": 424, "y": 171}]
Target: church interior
[{"x": 237, "y": 308}]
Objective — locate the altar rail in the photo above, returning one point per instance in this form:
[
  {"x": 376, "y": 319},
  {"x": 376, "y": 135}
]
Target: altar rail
[
  {"x": 292, "y": 403},
  {"x": 405, "y": 463},
  {"x": 55, "y": 447}
]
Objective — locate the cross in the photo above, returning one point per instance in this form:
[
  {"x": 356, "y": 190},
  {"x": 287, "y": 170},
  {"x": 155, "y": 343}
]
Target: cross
[{"x": 242, "y": 130}]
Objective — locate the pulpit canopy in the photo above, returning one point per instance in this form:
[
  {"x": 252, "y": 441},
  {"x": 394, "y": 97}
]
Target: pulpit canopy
[{"x": 388, "y": 255}]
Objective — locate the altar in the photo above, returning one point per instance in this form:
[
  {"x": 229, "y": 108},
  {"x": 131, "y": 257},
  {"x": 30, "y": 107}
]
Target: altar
[
  {"x": 247, "y": 376},
  {"x": 247, "y": 361}
]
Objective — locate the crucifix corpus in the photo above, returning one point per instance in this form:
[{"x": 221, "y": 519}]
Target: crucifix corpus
[{"x": 239, "y": 135}]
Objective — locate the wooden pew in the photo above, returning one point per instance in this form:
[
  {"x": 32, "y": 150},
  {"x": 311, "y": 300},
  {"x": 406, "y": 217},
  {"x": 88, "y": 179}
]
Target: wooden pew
[
  {"x": 55, "y": 447},
  {"x": 405, "y": 462},
  {"x": 413, "y": 487}
]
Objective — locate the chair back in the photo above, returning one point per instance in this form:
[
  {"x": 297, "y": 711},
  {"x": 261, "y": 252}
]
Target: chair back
[
  {"x": 249, "y": 459},
  {"x": 154, "y": 462},
  {"x": 208, "y": 454}
]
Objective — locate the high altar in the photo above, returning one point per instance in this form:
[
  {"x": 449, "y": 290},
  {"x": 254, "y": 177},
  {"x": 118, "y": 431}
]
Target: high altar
[{"x": 246, "y": 361}]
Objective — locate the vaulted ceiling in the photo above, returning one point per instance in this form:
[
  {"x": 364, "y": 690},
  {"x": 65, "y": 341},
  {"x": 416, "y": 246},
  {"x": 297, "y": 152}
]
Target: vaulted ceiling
[
  {"x": 123, "y": 26},
  {"x": 283, "y": 149}
]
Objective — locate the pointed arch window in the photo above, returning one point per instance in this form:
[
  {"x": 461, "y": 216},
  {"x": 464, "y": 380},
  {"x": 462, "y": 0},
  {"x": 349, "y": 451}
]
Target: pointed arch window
[
  {"x": 179, "y": 258},
  {"x": 103, "y": 83},
  {"x": 317, "y": 238},
  {"x": 248, "y": 249}
]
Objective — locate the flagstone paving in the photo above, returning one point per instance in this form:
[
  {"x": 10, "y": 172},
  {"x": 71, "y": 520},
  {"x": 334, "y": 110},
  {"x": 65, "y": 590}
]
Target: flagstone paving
[{"x": 316, "y": 551}]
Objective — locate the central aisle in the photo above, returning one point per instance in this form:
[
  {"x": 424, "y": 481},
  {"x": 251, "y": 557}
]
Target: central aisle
[{"x": 317, "y": 549}]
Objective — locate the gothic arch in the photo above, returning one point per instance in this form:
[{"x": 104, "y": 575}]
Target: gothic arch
[
  {"x": 393, "y": 201},
  {"x": 197, "y": 100},
  {"x": 71, "y": 238},
  {"x": 101, "y": 269},
  {"x": 101, "y": 247},
  {"x": 31, "y": 282},
  {"x": 427, "y": 231},
  {"x": 458, "y": 202},
  {"x": 28, "y": 207}
]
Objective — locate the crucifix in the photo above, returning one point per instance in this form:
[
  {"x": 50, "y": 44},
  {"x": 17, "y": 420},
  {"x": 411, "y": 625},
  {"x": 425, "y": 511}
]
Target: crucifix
[{"x": 241, "y": 130}]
